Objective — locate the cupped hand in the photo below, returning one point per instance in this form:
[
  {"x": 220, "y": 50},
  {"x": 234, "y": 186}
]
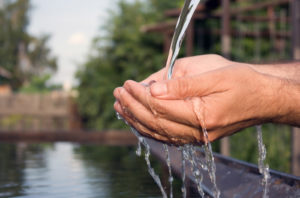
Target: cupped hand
[
  {"x": 223, "y": 100},
  {"x": 191, "y": 66}
]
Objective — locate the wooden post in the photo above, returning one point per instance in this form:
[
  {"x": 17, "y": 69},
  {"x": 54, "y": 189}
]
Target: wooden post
[
  {"x": 226, "y": 48},
  {"x": 271, "y": 26},
  {"x": 295, "y": 7},
  {"x": 226, "y": 40}
]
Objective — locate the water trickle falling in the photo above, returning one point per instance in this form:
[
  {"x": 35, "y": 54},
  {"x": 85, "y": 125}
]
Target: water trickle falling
[
  {"x": 139, "y": 147},
  {"x": 147, "y": 159},
  {"x": 190, "y": 157},
  {"x": 168, "y": 160},
  {"x": 210, "y": 164},
  {"x": 183, "y": 188},
  {"x": 141, "y": 140},
  {"x": 263, "y": 168},
  {"x": 180, "y": 29}
]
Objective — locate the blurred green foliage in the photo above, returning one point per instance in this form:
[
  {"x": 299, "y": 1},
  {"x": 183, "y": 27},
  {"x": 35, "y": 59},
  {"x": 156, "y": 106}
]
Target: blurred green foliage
[
  {"x": 125, "y": 52},
  {"x": 22, "y": 55},
  {"x": 277, "y": 140},
  {"x": 39, "y": 84}
]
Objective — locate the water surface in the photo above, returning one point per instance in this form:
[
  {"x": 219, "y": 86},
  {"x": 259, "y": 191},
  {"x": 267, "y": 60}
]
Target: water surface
[{"x": 70, "y": 170}]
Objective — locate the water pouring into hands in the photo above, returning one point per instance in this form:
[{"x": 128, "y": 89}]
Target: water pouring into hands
[{"x": 232, "y": 96}]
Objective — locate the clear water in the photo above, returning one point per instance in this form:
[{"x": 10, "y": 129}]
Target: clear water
[
  {"x": 168, "y": 160},
  {"x": 263, "y": 168},
  {"x": 151, "y": 171},
  {"x": 180, "y": 29},
  {"x": 188, "y": 155},
  {"x": 183, "y": 187}
]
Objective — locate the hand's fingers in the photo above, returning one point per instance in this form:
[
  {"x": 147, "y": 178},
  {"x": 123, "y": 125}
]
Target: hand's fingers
[
  {"x": 158, "y": 124},
  {"x": 175, "y": 110},
  {"x": 142, "y": 114},
  {"x": 138, "y": 126},
  {"x": 185, "y": 87},
  {"x": 148, "y": 132}
]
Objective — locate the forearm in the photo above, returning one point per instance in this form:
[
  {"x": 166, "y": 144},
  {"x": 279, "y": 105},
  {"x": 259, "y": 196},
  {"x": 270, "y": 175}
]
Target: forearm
[
  {"x": 291, "y": 95},
  {"x": 289, "y": 71},
  {"x": 284, "y": 84}
]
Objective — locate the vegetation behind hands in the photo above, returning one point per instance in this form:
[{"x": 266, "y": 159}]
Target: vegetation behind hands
[{"x": 22, "y": 56}]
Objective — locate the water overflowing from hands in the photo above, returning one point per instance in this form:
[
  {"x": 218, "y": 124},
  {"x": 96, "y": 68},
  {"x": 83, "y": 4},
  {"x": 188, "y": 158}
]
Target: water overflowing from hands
[
  {"x": 189, "y": 155},
  {"x": 183, "y": 188},
  {"x": 142, "y": 141},
  {"x": 147, "y": 159},
  {"x": 168, "y": 160},
  {"x": 263, "y": 168},
  {"x": 188, "y": 151}
]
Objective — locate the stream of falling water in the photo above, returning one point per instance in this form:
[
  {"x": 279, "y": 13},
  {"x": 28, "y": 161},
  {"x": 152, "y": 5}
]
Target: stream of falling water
[
  {"x": 263, "y": 168},
  {"x": 180, "y": 29},
  {"x": 168, "y": 160},
  {"x": 183, "y": 188},
  {"x": 141, "y": 140}
]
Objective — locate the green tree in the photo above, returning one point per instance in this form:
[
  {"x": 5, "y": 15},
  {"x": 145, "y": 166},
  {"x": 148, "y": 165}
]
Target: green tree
[
  {"x": 22, "y": 55},
  {"x": 124, "y": 53},
  {"x": 39, "y": 84}
]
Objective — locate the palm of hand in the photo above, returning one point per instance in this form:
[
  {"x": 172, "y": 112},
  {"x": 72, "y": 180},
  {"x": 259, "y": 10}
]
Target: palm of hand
[{"x": 178, "y": 118}]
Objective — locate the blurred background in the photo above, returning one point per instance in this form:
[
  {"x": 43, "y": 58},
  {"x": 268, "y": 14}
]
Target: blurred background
[{"x": 61, "y": 60}]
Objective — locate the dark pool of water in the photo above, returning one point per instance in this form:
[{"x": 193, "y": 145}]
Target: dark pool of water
[{"x": 69, "y": 170}]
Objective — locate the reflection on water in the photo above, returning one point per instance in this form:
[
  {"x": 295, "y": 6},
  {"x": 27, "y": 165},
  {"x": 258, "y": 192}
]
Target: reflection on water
[{"x": 68, "y": 170}]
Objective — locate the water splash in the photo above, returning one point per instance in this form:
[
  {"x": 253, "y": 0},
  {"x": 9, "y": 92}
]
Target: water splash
[
  {"x": 183, "y": 188},
  {"x": 189, "y": 156},
  {"x": 210, "y": 163},
  {"x": 141, "y": 140},
  {"x": 147, "y": 159},
  {"x": 168, "y": 160},
  {"x": 138, "y": 151},
  {"x": 263, "y": 168},
  {"x": 209, "y": 158}
]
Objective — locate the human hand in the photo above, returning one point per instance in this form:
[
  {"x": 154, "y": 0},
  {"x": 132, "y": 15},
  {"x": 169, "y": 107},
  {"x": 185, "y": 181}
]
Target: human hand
[
  {"x": 191, "y": 66},
  {"x": 223, "y": 100}
]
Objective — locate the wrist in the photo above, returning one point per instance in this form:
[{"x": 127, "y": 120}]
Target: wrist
[
  {"x": 291, "y": 95},
  {"x": 289, "y": 71},
  {"x": 284, "y": 101}
]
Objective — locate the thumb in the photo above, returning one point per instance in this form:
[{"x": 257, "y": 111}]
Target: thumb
[{"x": 180, "y": 88}]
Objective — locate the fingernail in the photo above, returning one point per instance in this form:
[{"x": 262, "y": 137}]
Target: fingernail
[{"x": 159, "y": 89}]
